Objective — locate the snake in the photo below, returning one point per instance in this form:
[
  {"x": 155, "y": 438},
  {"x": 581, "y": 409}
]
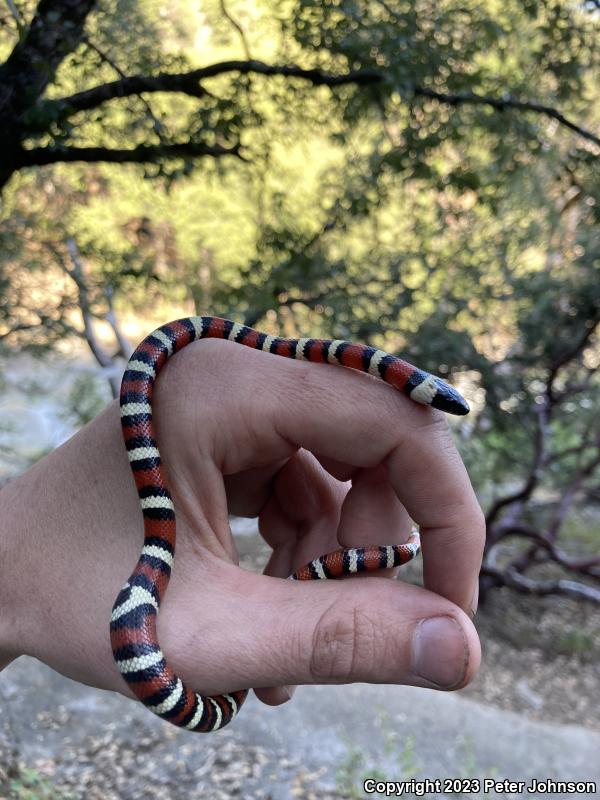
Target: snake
[{"x": 135, "y": 646}]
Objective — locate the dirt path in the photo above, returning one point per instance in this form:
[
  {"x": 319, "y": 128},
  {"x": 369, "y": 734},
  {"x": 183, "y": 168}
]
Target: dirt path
[
  {"x": 98, "y": 746},
  {"x": 541, "y": 656},
  {"x": 94, "y": 745}
]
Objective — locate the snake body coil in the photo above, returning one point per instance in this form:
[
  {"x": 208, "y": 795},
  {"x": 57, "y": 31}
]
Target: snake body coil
[{"x": 134, "y": 641}]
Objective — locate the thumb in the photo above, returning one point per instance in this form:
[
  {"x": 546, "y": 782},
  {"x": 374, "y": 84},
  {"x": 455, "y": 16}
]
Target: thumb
[
  {"x": 257, "y": 631},
  {"x": 375, "y": 631}
]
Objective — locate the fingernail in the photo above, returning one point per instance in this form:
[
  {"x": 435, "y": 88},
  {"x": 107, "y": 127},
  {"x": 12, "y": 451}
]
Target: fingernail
[
  {"x": 288, "y": 691},
  {"x": 474, "y": 600},
  {"x": 440, "y": 653}
]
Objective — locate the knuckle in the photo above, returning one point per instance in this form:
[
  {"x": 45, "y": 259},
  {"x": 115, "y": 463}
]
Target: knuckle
[
  {"x": 479, "y": 521},
  {"x": 329, "y": 494},
  {"x": 430, "y": 420},
  {"x": 478, "y": 524},
  {"x": 438, "y": 428},
  {"x": 426, "y": 426},
  {"x": 343, "y": 643}
]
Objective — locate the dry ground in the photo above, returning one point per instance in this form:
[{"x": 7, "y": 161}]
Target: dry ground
[
  {"x": 540, "y": 655},
  {"x": 540, "y": 659}
]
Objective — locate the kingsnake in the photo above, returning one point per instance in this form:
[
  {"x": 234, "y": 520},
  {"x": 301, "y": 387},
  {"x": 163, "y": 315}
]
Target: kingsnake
[{"x": 133, "y": 622}]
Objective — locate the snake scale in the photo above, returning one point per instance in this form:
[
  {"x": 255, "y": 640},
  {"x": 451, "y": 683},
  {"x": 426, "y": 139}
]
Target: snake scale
[{"x": 134, "y": 641}]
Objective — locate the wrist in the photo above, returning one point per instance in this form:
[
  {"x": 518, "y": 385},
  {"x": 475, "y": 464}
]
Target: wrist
[
  {"x": 69, "y": 530},
  {"x": 12, "y": 615}
]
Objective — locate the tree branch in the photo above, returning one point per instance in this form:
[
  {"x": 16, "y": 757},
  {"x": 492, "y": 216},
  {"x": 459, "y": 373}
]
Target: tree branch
[
  {"x": 544, "y": 411},
  {"x": 156, "y": 124},
  {"x": 54, "y": 32},
  {"x": 526, "y": 585},
  {"x": 16, "y": 15},
  {"x": 189, "y": 83},
  {"x": 77, "y": 274},
  {"x": 125, "y": 349},
  {"x": 231, "y": 19},
  {"x": 186, "y": 83},
  {"x": 590, "y": 438},
  {"x": 540, "y": 448},
  {"x": 569, "y": 492},
  {"x": 505, "y": 103},
  {"x": 140, "y": 154},
  {"x": 568, "y": 355},
  {"x": 545, "y": 540}
]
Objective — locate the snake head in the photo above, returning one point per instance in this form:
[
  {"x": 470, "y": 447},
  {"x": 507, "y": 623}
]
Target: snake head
[{"x": 448, "y": 399}]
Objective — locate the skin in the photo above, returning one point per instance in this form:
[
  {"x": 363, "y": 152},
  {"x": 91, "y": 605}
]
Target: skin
[{"x": 325, "y": 457}]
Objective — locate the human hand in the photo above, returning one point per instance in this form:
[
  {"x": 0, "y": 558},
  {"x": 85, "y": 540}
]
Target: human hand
[{"x": 287, "y": 435}]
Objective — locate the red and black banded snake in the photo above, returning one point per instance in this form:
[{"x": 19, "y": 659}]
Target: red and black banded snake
[{"x": 134, "y": 641}]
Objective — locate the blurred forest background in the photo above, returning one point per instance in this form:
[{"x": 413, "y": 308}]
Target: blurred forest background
[{"x": 420, "y": 175}]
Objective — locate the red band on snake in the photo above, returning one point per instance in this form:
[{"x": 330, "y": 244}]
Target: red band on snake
[{"x": 134, "y": 641}]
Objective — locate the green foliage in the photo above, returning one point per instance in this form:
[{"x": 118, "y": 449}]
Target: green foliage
[
  {"x": 355, "y": 768},
  {"x": 85, "y": 401},
  {"x": 30, "y": 785},
  {"x": 577, "y": 643},
  {"x": 462, "y": 236},
  {"x": 401, "y": 763}
]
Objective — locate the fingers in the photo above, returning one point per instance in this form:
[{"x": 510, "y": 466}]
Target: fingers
[
  {"x": 352, "y": 418},
  {"x": 248, "y": 491},
  {"x": 435, "y": 488},
  {"x": 310, "y": 513},
  {"x": 255, "y": 631},
  {"x": 372, "y": 512},
  {"x": 263, "y": 407},
  {"x": 300, "y": 522},
  {"x": 301, "y": 517},
  {"x": 278, "y": 633}
]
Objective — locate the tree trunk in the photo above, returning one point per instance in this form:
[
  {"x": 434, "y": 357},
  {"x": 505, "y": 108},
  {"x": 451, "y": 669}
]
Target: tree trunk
[{"x": 54, "y": 32}]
